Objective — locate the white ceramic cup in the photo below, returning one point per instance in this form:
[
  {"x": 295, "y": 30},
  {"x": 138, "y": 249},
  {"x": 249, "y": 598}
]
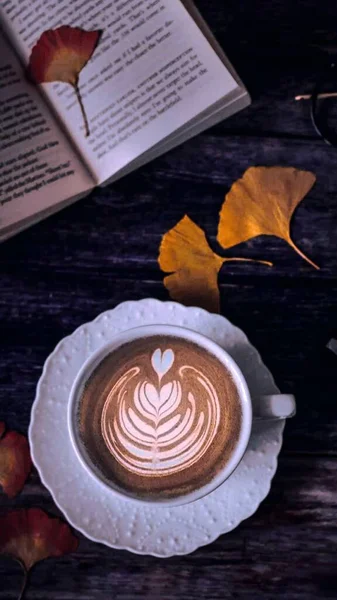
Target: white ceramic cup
[{"x": 277, "y": 406}]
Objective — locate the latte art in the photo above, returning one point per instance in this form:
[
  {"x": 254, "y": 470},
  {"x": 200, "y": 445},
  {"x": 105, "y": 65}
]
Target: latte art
[
  {"x": 159, "y": 417},
  {"x": 156, "y": 434}
]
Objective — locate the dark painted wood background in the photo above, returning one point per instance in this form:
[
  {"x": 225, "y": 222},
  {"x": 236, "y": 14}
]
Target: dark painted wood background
[{"x": 103, "y": 250}]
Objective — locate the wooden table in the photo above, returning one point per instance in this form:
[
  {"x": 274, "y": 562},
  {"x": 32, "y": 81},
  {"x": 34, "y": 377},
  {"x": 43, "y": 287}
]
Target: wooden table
[{"x": 103, "y": 250}]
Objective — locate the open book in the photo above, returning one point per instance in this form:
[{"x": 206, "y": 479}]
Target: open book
[{"x": 156, "y": 78}]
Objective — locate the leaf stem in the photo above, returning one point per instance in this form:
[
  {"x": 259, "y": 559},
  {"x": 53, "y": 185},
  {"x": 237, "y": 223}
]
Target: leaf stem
[
  {"x": 254, "y": 260},
  {"x": 80, "y": 101},
  {"x": 24, "y": 584},
  {"x": 291, "y": 243}
]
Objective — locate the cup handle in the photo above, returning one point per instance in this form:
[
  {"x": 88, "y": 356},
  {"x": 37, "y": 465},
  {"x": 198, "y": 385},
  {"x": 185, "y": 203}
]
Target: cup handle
[{"x": 274, "y": 407}]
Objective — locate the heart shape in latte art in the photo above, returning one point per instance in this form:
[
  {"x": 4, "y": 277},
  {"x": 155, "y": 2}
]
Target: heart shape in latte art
[
  {"x": 159, "y": 429},
  {"x": 162, "y": 361}
]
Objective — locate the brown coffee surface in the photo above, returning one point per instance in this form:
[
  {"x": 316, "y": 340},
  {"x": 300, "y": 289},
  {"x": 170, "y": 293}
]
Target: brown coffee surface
[{"x": 159, "y": 416}]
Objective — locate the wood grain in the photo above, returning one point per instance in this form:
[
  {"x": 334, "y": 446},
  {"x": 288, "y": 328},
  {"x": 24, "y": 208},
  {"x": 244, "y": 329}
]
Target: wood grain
[{"x": 103, "y": 250}]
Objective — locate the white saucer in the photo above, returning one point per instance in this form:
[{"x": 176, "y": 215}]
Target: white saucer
[{"x": 124, "y": 524}]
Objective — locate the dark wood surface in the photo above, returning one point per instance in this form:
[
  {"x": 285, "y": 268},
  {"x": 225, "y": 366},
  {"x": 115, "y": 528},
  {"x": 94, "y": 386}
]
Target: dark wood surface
[{"x": 103, "y": 250}]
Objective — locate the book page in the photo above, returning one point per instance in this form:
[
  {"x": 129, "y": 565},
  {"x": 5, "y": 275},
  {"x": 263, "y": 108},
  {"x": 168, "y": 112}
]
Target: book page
[
  {"x": 38, "y": 167},
  {"x": 152, "y": 72}
]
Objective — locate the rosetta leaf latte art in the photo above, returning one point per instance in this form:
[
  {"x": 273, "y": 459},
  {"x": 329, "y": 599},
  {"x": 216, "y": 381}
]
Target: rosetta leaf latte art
[{"x": 155, "y": 436}]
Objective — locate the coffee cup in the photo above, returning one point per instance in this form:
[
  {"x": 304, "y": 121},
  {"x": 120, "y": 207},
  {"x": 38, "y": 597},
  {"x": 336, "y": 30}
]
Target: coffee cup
[{"x": 163, "y": 415}]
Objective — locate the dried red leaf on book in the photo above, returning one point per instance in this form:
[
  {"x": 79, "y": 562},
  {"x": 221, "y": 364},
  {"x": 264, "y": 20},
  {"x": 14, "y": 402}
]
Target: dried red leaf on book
[
  {"x": 60, "y": 55},
  {"x": 15, "y": 461}
]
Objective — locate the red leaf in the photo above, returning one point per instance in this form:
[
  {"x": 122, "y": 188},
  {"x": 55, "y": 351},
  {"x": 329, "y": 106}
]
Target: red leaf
[
  {"x": 15, "y": 461},
  {"x": 30, "y": 535},
  {"x": 60, "y": 54}
]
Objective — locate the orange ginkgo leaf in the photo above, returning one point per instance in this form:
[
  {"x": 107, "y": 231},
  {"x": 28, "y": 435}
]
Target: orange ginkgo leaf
[
  {"x": 194, "y": 267},
  {"x": 60, "y": 55},
  {"x": 15, "y": 461},
  {"x": 31, "y": 535},
  {"x": 262, "y": 203}
]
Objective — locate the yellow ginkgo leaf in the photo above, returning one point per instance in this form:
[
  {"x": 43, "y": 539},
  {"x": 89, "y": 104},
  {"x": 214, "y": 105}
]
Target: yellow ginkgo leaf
[
  {"x": 194, "y": 267},
  {"x": 262, "y": 202}
]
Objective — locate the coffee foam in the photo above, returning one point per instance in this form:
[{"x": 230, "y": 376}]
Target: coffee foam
[{"x": 160, "y": 416}]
